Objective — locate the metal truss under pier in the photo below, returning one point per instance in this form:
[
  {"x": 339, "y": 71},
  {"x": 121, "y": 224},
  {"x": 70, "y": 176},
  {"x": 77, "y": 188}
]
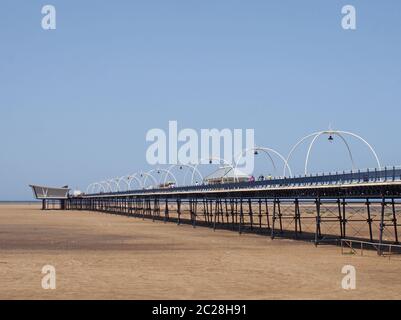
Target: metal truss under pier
[{"x": 367, "y": 208}]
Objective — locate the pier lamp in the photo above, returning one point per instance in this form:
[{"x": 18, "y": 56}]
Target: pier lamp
[{"x": 331, "y": 133}]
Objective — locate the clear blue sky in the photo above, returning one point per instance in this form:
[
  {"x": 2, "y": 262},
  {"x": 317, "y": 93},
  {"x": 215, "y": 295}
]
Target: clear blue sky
[{"x": 76, "y": 102}]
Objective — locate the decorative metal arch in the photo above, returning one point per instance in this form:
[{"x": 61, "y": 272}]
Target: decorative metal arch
[
  {"x": 191, "y": 167},
  {"x": 148, "y": 175},
  {"x": 211, "y": 160},
  {"x": 167, "y": 173},
  {"x": 338, "y": 133},
  {"x": 121, "y": 179},
  {"x": 101, "y": 187},
  {"x": 133, "y": 177},
  {"x": 115, "y": 182},
  {"x": 90, "y": 187},
  {"x": 112, "y": 185},
  {"x": 106, "y": 186},
  {"x": 194, "y": 170},
  {"x": 268, "y": 151}
]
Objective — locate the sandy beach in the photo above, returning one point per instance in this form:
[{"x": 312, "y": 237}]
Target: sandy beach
[{"x": 101, "y": 256}]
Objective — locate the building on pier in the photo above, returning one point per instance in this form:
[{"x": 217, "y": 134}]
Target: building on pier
[
  {"x": 50, "y": 196},
  {"x": 227, "y": 174}
]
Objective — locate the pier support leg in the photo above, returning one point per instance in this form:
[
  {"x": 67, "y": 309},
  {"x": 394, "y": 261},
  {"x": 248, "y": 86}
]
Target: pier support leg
[
  {"x": 280, "y": 216},
  {"x": 344, "y": 219},
  {"x": 179, "y": 211},
  {"x": 250, "y": 212},
  {"x": 166, "y": 213},
  {"x": 267, "y": 214},
  {"x": 227, "y": 214},
  {"x": 273, "y": 220},
  {"x": 232, "y": 207},
  {"x": 340, "y": 218},
  {"x": 318, "y": 221},
  {"x": 241, "y": 217},
  {"x": 382, "y": 226},
  {"x": 369, "y": 220},
  {"x": 195, "y": 212},
  {"x": 215, "y": 214},
  {"x": 394, "y": 221},
  {"x": 205, "y": 217},
  {"x": 296, "y": 217}
]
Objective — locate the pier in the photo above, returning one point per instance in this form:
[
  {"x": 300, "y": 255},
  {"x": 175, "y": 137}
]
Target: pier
[{"x": 361, "y": 205}]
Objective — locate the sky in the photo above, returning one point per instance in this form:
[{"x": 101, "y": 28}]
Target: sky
[{"x": 76, "y": 102}]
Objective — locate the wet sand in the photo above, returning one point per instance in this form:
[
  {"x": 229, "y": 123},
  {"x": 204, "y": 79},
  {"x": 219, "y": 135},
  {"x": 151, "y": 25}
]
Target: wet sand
[{"x": 101, "y": 256}]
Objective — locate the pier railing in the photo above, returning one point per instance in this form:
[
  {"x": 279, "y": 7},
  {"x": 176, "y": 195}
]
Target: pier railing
[{"x": 384, "y": 175}]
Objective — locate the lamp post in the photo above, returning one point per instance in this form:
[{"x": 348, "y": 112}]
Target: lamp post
[
  {"x": 331, "y": 133},
  {"x": 268, "y": 152}
]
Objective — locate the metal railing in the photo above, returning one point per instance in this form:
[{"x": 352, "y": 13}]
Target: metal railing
[
  {"x": 353, "y": 177},
  {"x": 383, "y": 249}
]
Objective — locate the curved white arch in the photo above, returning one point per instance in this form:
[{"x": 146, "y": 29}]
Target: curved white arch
[
  {"x": 115, "y": 182},
  {"x": 133, "y": 177},
  {"x": 349, "y": 151},
  {"x": 270, "y": 157},
  {"x": 194, "y": 170},
  {"x": 90, "y": 187},
  {"x": 309, "y": 151},
  {"x": 167, "y": 173},
  {"x": 295, "y": 147},
  {"x": 97, "y": 186},
  {"x": 147, "y": 174},
  {"x": 366, "y": 143},
  {"x": 267, "y": 151},
  {"x": 314, "y": 141},
  {"x": 108, "y": 187},
  {"x": 105, "y": 185},
  {"x": 122, "y": 179},
  {"x": 338, "y": 133},
  {"x": 101, "y": 187},
  {"x": 211, "y": 159}
]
